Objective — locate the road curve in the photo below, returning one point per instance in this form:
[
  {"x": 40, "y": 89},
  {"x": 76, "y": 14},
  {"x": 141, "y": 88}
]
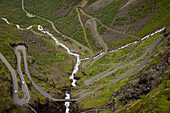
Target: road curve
[
  {"x": 104, "y": 44},
  {"x": 22, "y": 48},
  {"x": 146, "y": 52},
  {"x": 89, "y": 81},
  {"x": 54, "y": 28},
  {"x": 154, "y": 44},
  {"x": 92, "y": 80},
  {"x": 107, "y": 26},
  {"x": 15, "y": 84},
  {"x": 152, "y": 47},
  {"x": 24, "y": 86}
]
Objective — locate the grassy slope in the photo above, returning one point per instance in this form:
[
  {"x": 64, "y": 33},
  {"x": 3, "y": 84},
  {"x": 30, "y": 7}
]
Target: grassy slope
[
  {"x": 107, "y": 13},
  {"x": 136, "y": 12},
  {"x": 101, "y": 97},
  {"x": 10, "y": 34},
  {"x": 16, "y": 15},
  {"x": 70, "y": 17},
  {"x": 156, "y": 101},
  {"x": 117, "y": 57},
  {"x": 160, "y": 19}
]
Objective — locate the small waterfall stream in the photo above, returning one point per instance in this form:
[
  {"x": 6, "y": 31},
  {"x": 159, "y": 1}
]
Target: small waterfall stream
[
  {"x": 76, "y": 67},
  {"x": 40, "y": 28},
  {"x": 67, "y": 104}
]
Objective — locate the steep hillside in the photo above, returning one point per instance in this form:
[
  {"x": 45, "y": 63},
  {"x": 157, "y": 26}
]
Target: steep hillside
[
  {"x": 128, "y": 16},
  {"x": 102, "y": 39}
]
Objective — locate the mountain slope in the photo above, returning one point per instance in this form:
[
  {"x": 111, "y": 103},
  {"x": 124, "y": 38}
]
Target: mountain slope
[{"x": 117, "y": 22}]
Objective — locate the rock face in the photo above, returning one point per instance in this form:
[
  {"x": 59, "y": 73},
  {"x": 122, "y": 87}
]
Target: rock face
[
  {"x": 144, "y": 82},
  {"x": 50, "y": 107}
]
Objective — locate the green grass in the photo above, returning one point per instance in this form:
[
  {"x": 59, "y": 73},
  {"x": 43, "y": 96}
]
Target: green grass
[
  {"x": 16, "y": 15},
  {"x": 70, "y": 26},
  {"x": 104, "y": 94},
  {"x": 121, "y": 43},
  {"x": 92, "y": 41},
  {"x": 48, "y": 58},
  {"x": 91, "y": 2},
  {"x": 100, "y": 29},
  {"x": 107, "y": 13},
  {"x": 141, "y": 9},
  {"x": 106, "y": 112},
  {"x": 159, "y": 19},
  {"x": 155, "y": 101},
  {"x": 120, "y": 21},
  {"x": 47, "y": 8}
]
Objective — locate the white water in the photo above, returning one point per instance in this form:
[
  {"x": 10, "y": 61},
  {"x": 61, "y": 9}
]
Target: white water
[
  {"x": 67, "y": 104},
  {"x": 40, "y": 28},
  {"x": 18, "y": 27},
  {"x": 32, "y": 108},
  {"x": 145, "y": 37},
  {"x": 6, "y": 20}
]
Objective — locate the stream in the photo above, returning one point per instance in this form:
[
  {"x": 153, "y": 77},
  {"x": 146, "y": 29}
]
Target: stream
[
  {"x": 76, "y": 67},
  {"x": 67, "y": 104}
]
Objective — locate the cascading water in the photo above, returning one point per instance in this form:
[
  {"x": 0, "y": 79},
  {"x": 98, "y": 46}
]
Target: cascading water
[
  {"x": 145, "y": 37},
  {"x": 67, "y": 104},
  {"x": 40, "y": 28}
]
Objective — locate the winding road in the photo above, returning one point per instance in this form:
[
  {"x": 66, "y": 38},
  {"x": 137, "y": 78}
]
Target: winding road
[
  {"x": 15, "y": 97},
  {"x": 54, "y": 28},
  {"x": 89, "y": 81},
  {"x": 100, "y": 76},
  {"x": 106, "y": 48},
  {"x": 107, "y": 26},
  {"x": 24, "y": 86},
  {"x": 152, "y": 47},
  {"x": 104, "y": 44}
]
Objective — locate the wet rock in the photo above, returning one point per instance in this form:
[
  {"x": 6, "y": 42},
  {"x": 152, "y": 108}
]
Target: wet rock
[{"x": 77, "y": 78}]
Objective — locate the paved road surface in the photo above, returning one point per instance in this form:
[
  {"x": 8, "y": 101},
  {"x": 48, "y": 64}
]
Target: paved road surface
[
  {"x": 15, "y": 84},
  {"x": 107, "y": 26},
  {"x": 89, "y": 81},
  {"x": 54, "y": 28},
  {"x": 152, "y": 47},
  {"x": 22, "y": 48},
  {"x": 104, "y": 44}
]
